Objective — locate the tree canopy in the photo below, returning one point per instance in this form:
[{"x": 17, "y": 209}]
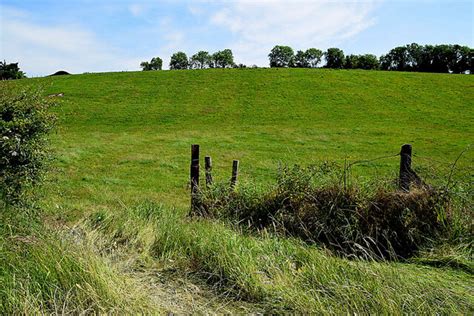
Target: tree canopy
[
  {"x": 223, "y": 59},
  {"x": 10, "y": 71},
  {"x": 281, "y": 56},
  {"x": 200, "y": 60},
  {"x": 156, "y": 63},
  {"x": 178, "y": 61},
  {"x": 334, "y": 58}
]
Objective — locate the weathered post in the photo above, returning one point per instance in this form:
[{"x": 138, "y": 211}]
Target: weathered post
[
  {"x": 405, "y": 168},
  {"x": 208, "y": 166},
  {"x": 194, "y": 173},
  {"x": 235, "y": 173}
]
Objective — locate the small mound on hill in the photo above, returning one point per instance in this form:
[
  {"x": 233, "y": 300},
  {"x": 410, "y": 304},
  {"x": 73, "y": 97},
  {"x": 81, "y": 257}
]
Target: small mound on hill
[{"x": 60, "y": 73}]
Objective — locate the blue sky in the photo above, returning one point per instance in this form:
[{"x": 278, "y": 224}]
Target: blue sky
[{"x": 104, "y": 35}]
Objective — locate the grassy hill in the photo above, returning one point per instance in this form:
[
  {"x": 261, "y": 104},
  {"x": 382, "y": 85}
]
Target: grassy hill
[
  {"x": 128, "y": 135},
  {"x": 124, "y": 138}
]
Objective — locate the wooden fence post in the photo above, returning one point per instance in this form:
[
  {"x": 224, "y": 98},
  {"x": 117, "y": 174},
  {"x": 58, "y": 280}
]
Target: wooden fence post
[
  {"x": 235, "y": 173},
  {"x": 208, "y": 166},
  {"x": 405, "y": 168},
  {"x": 194, "y": 173}
]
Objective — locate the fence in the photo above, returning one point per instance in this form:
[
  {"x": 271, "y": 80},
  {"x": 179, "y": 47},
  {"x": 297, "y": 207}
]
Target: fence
[{"x": 406, "y": 174}]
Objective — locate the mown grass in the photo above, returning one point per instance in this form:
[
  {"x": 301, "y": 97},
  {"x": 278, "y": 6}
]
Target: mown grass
[{"x": 281, "y": 274}]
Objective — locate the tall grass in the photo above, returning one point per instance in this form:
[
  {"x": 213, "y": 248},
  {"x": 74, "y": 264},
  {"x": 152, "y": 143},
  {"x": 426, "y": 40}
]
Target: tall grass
[
  {"x": 283, "y": 274},
  {"x": 319, "y": 205},
  {"x": 42, "y": 274}
]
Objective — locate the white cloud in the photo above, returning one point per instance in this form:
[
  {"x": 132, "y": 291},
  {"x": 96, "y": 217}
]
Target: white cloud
[
  {"x": 42, "y": 50},
  {"x": 259, "y": 25}
]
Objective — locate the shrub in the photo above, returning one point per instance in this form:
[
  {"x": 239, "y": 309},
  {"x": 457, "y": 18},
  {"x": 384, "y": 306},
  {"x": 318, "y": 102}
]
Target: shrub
[
  {"x": 310, "y": 204},
  {"x": 24, "y": 123}
]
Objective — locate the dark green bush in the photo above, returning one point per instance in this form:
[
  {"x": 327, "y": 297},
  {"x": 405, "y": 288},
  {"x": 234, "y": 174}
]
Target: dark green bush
[
  {"x": 25, "y": 120},
  {"x": 312, "y": 204}
]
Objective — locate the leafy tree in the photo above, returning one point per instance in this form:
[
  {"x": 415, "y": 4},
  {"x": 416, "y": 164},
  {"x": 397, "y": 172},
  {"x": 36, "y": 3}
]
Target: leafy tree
[
  {"x": 334, "y": 58},
  {"x": 440, "y": 58},
  {"x": 351, "y": 62},
  {"x": 179, "y": 60},
  {"x": 308, "y": 59},
  {"x": 156, "y": 63},
  {"x": 200, "y": 60},
  {"x": 300, "y": 60},
  {"x": 313, "y": 57},
  {"x": 223, "y": 59},
  {"x": 10, "y": 71},
  {"x": 367, "y": 61},
  {"x": 414, "y": 56},
  {"x": 461, "y": 59},
  {"x": 281, "y": 56}
]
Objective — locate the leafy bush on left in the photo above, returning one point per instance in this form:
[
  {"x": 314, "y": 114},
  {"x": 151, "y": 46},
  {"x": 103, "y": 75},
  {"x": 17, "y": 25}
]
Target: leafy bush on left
[{"x": 25, "y": 120}]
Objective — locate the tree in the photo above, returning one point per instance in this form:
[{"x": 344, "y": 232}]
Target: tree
[
  {"x": 351, "y": 62},
  {"x": 414, "y": 56},
  {"x": 10, "y": 71},
  {"x": 368, "y": 62},
  {"x": 156, "y": 63},
  {"x": 461, "y": 58},
  {"x": 313, "y": 57},
  {"x": 200, "y": 60},
  {"x": 223, "y": 59},
  {"x": 281, "y": 56},
  {"x": 334, "y": 58},
  {"x": 308, "y": 59},
  {"x": 178, "y": 61}
]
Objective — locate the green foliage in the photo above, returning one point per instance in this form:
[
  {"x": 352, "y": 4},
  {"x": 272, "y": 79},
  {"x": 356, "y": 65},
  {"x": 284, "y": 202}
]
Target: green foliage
[
  {"x": 428, "y": 58},
  {"x": 200, "y": 60},
  {"x": 367, "y": 61},
  {"x": 223, "y": 59},
  {"x": 334, "y": 58},
  {"x": 308, "y": 59},
  {"x": 25, "y": 121},
  {"x": 179, "y": 61},
  {"x": 10, "y": 71},
  {"x": 281, "y": 56},
  {"x": 156, "y": 63}
]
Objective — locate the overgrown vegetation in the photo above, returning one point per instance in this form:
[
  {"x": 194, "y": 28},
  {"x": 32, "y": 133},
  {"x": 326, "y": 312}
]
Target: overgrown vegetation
[
  {"x": 370, "y": 221},
  {"x": 281, "y": 274}
]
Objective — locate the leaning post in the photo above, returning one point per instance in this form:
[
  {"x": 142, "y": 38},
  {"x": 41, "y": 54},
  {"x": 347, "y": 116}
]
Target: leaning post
[
  {"x": 405, "y": 167},
  {"x": 194, "y": 175}
]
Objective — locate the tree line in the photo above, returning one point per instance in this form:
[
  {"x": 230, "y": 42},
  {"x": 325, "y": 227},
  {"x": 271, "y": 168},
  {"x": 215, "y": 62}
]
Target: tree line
[
  {"x": 200, "y": 60},
  {"x": 412, "y": 57}
]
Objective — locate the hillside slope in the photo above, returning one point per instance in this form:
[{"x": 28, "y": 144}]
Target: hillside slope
[{"x": 127, "y": 135}]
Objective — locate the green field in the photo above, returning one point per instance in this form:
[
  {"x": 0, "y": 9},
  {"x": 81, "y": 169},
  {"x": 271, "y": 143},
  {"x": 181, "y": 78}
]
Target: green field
[
  {"x": 123, "y": 138},
  {"x": 127, "y": 136}
]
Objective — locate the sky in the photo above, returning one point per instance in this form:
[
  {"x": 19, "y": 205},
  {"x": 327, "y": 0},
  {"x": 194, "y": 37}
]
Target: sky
[{"x": 45, "y": 36}]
